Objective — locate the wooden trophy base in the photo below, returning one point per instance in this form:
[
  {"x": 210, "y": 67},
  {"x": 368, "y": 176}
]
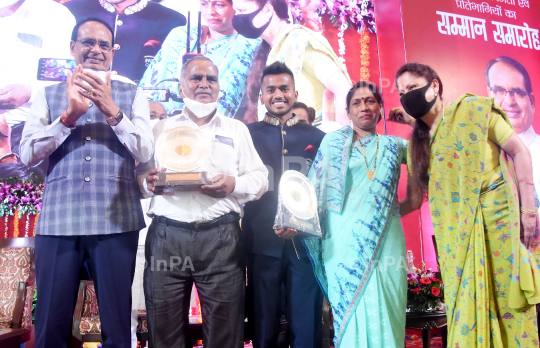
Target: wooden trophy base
[{"x": 178, "y": 182}]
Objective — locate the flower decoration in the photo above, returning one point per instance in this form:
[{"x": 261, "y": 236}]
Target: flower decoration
[
  {"x": 425, "y": 281},
  {"x": 364, "y": 56},
  {"x": 23, "y": 196},
  {"x": 425, "y": 291},
  {"x": 295, "y": 12},
  {"x": 358, "y": 15},
  {"x": 349, "y": 14}
]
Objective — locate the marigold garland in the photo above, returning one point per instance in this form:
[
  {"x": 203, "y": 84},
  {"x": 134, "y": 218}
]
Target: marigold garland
[
  {"x": 27, "y": 226},
  {"x": 16, "y": 226},
  {"x": 364, "y": 56},
  {"x": 358, "y": 15},
  {"x": 20, "y": 199}
]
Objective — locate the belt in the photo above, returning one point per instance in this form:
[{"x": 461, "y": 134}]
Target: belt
[{"x": 200, "y": 225}]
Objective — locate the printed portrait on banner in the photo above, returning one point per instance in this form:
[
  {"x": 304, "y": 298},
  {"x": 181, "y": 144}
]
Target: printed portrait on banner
[
  {"x": 486, "y": 48},
  {"x": 36, "y": 36},
  {"x": 244, "y": 36},
  {"x": 329, "y": 44}
]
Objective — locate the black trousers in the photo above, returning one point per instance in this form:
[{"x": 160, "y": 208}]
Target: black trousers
[
  {"x": 111, "y": 262},
  {"x": 177, "y": 258},
  {"x": 303, "y": 297}
]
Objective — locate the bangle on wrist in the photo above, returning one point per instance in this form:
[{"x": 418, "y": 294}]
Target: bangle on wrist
[
  {"x": 526, "y": 182},
  {"x": 66, "y": 121},
  {"x": 528, "y": 212}
]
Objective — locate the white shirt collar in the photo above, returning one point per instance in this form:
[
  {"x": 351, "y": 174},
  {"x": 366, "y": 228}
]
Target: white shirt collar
[
  {"x": 128, "y": 10},
  {"x": 528, "y": 136},
  {"x": 216, "y": 120}
]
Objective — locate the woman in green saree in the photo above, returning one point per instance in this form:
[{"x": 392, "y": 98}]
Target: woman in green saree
[
  {"x": 477, "y": 176},
  {"x": 360, "y": 261}
]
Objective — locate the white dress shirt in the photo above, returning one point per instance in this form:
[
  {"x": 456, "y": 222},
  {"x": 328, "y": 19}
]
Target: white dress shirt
[
  {"x": 38, "y": 29},
  {"x": 532, "y": 141},
  {"x": 232, "y": 153},
  {"x": 41, "y": 138}
]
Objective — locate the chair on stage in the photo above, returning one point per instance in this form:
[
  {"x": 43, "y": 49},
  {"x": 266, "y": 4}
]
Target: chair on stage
[
  {"x": 86, "y": 321},
  {"x": 17, "y": 283}
]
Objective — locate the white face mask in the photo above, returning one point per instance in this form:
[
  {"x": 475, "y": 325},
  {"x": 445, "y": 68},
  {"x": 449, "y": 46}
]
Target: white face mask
[
  {"x": 154, "y": 122},
  {"x": 6, "y": 3},
  {"x": 200, "y": 109},
  {"x": 100, "y": 74}
]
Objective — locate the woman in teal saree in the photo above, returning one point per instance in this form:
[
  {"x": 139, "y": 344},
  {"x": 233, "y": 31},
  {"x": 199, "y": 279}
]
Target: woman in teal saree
[{"x": 360, "y": 261}]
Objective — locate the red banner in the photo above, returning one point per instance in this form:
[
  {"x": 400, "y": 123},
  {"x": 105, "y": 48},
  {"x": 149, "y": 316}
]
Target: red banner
[{"x": 459, "y": 39}]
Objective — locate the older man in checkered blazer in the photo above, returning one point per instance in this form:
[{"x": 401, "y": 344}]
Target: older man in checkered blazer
[{"x": 91, "y": 129}]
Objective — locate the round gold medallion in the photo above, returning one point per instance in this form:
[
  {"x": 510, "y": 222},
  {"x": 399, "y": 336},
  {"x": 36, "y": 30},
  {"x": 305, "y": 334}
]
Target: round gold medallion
[{"x": 183, "y": 150}]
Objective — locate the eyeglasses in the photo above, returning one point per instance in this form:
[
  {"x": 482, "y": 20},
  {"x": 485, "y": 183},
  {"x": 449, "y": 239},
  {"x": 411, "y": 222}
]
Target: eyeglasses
[
  {"x": 516, "y": 93},
  {"x": 88, "y": 44}
]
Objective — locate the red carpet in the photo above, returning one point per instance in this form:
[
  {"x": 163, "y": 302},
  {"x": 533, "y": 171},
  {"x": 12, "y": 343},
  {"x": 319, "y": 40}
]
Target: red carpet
[
  {"x": 411, "y": 341},
  {"x": 414, "y": 341}
]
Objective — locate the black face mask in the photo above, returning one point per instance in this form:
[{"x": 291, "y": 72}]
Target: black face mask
[
  {"x": 243, "y": 24},
  {"x": 415, "y": 103}
]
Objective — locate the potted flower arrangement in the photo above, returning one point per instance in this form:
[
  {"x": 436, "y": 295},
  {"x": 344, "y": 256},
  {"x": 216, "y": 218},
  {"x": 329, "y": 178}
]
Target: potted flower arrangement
[
  {"x": 20, "y": 205},
  {"x": 424, "y": 291}
]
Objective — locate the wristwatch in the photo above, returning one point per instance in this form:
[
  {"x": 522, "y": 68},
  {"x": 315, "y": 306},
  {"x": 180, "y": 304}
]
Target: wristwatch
[{"x": 113, "y": 121}]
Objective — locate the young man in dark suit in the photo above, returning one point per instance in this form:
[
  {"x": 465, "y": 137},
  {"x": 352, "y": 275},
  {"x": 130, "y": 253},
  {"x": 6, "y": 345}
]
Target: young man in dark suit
[{"x": 283, "y": 143}]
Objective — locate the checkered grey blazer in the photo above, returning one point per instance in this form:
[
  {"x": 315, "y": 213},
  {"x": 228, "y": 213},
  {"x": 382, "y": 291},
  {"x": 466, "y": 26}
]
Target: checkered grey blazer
[{"x": 90, "y": 187}]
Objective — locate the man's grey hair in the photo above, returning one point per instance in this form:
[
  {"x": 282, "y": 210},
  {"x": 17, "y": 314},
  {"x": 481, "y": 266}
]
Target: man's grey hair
[{"x": 184, "y": 66}]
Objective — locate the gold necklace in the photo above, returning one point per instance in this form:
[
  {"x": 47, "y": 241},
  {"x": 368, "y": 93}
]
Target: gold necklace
[{"x": 370, "y": 173}]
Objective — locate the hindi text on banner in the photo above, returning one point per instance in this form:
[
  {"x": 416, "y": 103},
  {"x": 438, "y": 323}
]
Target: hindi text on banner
[
  {"x": 509, "y": 34},
  {"x": 461, "y": 25}
]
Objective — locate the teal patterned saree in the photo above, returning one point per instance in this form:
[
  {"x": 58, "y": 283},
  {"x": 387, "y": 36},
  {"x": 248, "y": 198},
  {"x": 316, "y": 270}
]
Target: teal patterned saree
[{"x": 359, "y": 263}]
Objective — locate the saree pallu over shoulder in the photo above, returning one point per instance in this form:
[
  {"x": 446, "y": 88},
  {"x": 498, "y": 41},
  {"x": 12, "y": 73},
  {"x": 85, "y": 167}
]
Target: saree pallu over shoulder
[
  {"x": 365, "y": 233},
  {"x": 327, "y": 174},
  {"x": 329, "y": 167},
  {"x": 471, "y": 242}
]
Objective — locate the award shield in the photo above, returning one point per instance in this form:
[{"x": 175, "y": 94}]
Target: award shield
[
  {"x": 297, "y": 205},
  {"x": 181, "y": 152}
]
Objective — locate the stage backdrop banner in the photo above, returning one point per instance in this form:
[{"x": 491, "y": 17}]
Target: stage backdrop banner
[
  {"x": 150, "y": 40},
  {"x": 459, "y": 39}
]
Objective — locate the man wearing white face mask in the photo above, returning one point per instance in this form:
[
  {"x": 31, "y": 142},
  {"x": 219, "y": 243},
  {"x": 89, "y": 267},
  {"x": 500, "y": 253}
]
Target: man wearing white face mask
[{"x": 198, "y": 231}]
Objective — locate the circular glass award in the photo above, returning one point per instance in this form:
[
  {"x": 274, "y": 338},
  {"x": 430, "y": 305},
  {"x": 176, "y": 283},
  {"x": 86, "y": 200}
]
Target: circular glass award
[
  {"x": 298, "y": 194},
  {"x": 182, "y": 149}
]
